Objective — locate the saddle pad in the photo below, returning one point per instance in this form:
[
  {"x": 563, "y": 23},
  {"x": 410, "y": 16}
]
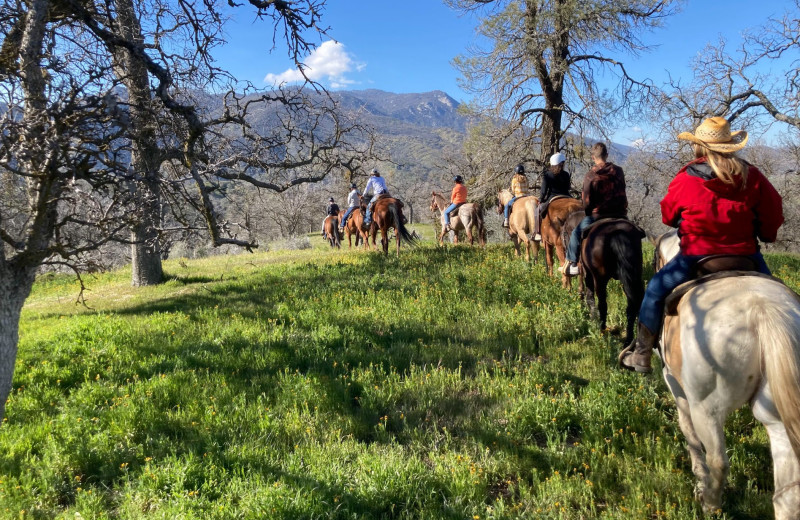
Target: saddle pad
[
  {"x": 616, "y": 223},
  {"x": 674, "y": 298}
]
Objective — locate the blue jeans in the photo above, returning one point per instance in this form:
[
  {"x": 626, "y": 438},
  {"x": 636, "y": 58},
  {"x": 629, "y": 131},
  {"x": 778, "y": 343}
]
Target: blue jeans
[
  {"x": 447, "y": 212},
  {"x": 346, "y": 216},
  {"x": 507, "y": 210},
  {"x": 676, "y": 272},
  {"x": 574, "y": 246},
  {"x": 368, "y": 216}
]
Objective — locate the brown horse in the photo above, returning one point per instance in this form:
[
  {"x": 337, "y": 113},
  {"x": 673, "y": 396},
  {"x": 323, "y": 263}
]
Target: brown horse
[
  {"x": 552, "y": 224},
  {"x": 353, "y": 227},
  {"x": 388, "y": 213},
  {"x": 331, "y": 227},
  {"x": 611, "y": 248},
  {"x": 466, "y": 217},
  {"x": 521, "y": 223}
]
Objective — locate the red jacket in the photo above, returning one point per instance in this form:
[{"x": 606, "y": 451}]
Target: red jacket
[{"x": 713, "y": 217}]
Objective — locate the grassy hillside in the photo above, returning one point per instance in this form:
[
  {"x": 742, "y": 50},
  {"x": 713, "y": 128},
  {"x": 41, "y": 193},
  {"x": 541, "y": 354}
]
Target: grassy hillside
[{"x": 449, "y": 383}]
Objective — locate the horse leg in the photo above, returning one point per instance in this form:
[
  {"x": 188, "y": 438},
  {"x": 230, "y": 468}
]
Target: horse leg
[
  {"x": 588, "y": 296},
  {"x": 601, "y": 290},
  {"x": 548, "y": 257},
  {"x": 693, "y": 444},
  {"x": 708, "y": 419},
  {"x": 385, "y": 240},
  {"x": 515, "y": 239},
  {"x": 786, "y": 465}
]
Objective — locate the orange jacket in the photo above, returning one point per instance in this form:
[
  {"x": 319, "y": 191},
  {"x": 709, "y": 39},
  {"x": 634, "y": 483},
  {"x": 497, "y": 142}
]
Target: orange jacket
[{"x": 459, "y": 194}]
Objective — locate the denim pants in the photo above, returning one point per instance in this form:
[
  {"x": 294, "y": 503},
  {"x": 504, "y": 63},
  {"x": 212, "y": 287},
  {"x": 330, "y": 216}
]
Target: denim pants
[
  {"x": 676, "y": 272},
  {"x": 507, "y": 210},
  {"x": 346, "y": 216},
  {"x": 574, "y": 246},
  {"x": 368, "y": 216},
  {"x": 447, "y": 212}
]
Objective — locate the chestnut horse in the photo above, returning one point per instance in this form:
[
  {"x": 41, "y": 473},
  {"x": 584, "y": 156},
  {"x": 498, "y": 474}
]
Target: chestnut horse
[
  {"x": 520, "y": 222},
  {"x": 388, "y": 213},
  {"x": 735, "y": 341},
  {"x": 332, "y": 231},
  {"x": 552, "y": 224},
  {"x": 466, "y": 217},
  {"x": 353, "y": 227}
]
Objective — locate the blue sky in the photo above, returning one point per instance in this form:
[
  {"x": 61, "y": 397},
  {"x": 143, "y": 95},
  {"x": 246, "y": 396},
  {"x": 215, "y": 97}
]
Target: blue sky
[{"x": 408, "y": 46}]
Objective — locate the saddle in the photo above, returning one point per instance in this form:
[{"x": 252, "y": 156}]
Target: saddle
[
  {"x": 713, "y": 267},
  {"x": 615, "y": 223}
]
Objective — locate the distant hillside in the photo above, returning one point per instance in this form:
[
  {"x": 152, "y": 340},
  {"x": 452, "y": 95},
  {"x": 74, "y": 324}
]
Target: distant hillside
[{"x": 417, "y": 129}]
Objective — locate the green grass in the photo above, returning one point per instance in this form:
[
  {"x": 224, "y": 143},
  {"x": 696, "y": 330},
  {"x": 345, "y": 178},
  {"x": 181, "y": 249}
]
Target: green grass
[{"x": 449, "y": 383}]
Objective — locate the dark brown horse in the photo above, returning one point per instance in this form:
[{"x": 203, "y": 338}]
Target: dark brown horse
[
  {"x": 551, "y": 228},
  {"x": 331, "y": 227},
  {"x": 388, "y": 213},
  {"x": 353, "y": 227},
  {"x": 611, "y": 248}
]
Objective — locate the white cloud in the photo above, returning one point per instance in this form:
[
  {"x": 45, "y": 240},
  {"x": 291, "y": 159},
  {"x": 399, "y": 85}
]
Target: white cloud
[
  {"x": 329, "y": 62},
  {"x": 638, "y": 143}
]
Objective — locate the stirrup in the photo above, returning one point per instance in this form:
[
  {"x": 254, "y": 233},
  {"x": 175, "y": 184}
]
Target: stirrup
[{"x": 628, "y": 353}]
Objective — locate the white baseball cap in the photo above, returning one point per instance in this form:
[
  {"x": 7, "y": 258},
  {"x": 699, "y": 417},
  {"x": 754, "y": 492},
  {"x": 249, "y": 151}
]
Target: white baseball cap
[{"x": 557, "y": 158}]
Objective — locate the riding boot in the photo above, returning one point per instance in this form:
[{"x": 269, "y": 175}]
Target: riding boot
[{"x": 637, "y": 355}]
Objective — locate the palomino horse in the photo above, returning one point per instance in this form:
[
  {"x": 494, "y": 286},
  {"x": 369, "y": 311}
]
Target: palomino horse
[
  {"x": 388, "y": 213},
  {"x": 552, "y": 223},
  {"x": 612, "y": 248},
  {"x": 466, "y": 217},
  {"x": 521, "y": 223},
  {"x": 332, "y": 231},
  {"x": 734, "y": 342},
  {"x": 353, "y": 227}
]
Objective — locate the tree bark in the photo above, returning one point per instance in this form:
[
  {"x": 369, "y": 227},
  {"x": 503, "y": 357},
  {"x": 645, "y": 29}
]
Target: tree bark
[
  {"x": 146, "y": 266},
  {"x": 15, "y": 286}
]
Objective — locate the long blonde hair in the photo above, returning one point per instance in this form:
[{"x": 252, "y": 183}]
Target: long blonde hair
[{"x": 726, "y": 166}]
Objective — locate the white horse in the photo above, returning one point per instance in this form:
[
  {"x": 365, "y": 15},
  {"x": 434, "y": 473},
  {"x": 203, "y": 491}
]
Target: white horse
[{"x": 735, "y": 341}]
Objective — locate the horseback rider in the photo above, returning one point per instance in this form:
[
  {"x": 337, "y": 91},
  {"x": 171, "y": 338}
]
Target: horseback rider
[
  {"x": 353, "y": 201},
  {"x": 519, "y": 188},
  {"x": 377, "y": 186},
  {"x": 603, "y": 197},
  {"x": 457, "y": 198},
  {"x": 721, "y": 205},
  {"x": 331, "y": 210},
  {"x": 556, "y": 181}
]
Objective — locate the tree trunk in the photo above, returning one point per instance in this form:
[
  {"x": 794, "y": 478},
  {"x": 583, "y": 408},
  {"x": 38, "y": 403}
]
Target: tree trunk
[
  {"x": 15, "y": 286},
  {"x": 145, "y": 157},
  {"x": 146, "y": 249}
]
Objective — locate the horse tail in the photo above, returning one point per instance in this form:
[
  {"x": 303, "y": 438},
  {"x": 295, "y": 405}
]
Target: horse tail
[
  {"x": 481, "y": 222},
  {"x": 778, "y": 327},
  {"x": 335, "y": 231},
  {"x": 399, "y": 226},
  {"x": 627, "y": 249},
  {"x": 530, "y": 212}
]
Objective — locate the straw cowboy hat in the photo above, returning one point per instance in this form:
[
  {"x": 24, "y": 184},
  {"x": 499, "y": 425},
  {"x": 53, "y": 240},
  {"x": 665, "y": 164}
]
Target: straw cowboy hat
[{"x": 715, "y": 134}]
